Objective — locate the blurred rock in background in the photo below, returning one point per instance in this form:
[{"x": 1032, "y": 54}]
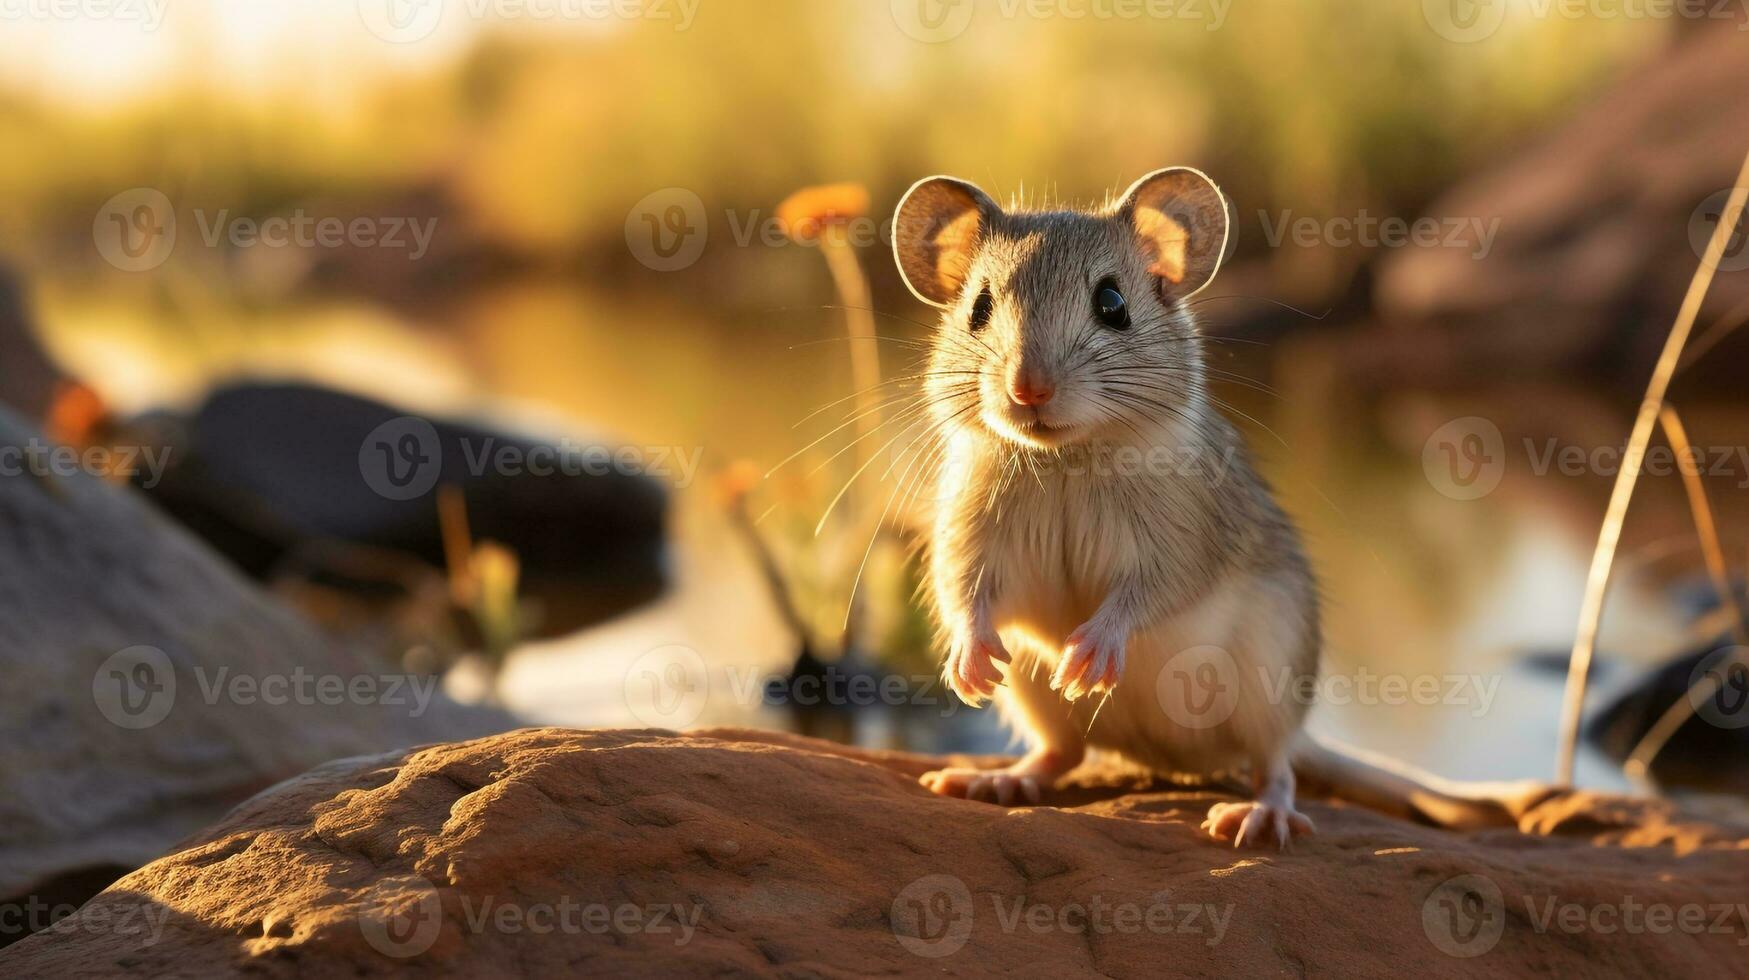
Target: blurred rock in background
[{"x": 1602, "y": 222}]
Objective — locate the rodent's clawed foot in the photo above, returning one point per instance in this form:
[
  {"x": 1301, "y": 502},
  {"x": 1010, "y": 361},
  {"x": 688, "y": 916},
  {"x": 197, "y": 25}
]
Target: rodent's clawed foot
[
  {"x": 1092, "y": 662},
  {"x": 999, "y": 786},
  {"x": 970, "y": 668},
  {"x": 1022, "y": 780},
  {"x": 1257, "y": 823}
]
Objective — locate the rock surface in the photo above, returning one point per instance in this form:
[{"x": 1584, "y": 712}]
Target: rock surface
[
  {"x": 141, "y": 673},
  {"x": 27, "y": 376},
  {"x": 622, "y": 853}
]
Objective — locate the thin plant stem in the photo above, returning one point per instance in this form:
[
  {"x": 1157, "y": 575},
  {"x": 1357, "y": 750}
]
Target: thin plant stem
[
  {"x": 1609, "y": 536},
  {"x": 1638, "y": 766},
  {"x": 1705, "y": 527}
]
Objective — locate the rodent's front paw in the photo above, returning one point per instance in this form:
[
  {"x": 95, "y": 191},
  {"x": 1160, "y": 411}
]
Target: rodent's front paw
[
  {"x": 1092, "y": 662},
  {"x": 970, "y": 668}
]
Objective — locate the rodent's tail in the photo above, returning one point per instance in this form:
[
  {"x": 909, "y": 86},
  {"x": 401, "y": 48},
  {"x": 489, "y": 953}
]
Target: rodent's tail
[{"x": 1399, "y": 789}]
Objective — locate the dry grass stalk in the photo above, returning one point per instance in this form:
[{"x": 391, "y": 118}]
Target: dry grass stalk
[
  {"x": 1639, "y": 762},
  {"x": 1609, "y": 536},
  {"x": 1705, "y": 527}
]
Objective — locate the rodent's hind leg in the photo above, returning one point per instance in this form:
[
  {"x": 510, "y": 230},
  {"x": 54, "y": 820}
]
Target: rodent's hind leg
[
  {"x": 1270, "y": 817},
  {"x": 1007, "y": 786},
  {"x": 1038, "y": 712}
]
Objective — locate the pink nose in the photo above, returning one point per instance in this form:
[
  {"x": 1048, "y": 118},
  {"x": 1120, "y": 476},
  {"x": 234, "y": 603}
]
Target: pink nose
[{"x": 1030, "y": 391}]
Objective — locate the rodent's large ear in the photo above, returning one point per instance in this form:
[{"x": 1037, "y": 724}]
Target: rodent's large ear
[
  {"x": 1180, "y": 218},
  {"x": 935, "y": 234}
]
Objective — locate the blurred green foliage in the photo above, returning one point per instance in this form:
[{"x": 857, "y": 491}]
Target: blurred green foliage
[{"x": 537, "y": 142}]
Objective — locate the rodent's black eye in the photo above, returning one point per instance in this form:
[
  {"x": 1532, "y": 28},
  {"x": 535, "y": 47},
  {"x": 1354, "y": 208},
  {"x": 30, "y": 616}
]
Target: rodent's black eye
[
  {"x": 1109, "y": 305},
  {"x": 981, "y": 310}
]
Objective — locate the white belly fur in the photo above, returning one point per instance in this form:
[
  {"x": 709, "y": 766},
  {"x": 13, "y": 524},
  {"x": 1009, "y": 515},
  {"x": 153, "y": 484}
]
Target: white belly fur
[{"x": 1202, "y": 693}]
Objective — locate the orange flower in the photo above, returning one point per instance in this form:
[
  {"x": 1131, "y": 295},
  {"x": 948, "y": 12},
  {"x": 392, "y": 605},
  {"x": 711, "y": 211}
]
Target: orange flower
[
  {"x": 737, "y": 481},
  {"x": 807, "y": 213}
]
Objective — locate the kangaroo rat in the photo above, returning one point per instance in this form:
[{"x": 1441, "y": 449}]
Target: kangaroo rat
[{"x": 1101, "y": 530}]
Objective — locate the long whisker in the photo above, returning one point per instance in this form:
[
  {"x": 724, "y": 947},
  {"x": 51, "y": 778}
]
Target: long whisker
[
  {"x": 874, "y": 535},
  {"x": 859, "y": 471},
  {"x": 911, "y": 411}
]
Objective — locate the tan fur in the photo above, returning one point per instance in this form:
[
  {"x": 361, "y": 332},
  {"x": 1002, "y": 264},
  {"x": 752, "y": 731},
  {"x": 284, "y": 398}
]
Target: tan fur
[{"x": 1136, "y": 515}]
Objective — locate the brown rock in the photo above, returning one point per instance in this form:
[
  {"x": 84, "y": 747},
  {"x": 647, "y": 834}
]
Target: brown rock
[
  {"x": 549, "y": 852},
  {"x": 1600, "y": 226}
]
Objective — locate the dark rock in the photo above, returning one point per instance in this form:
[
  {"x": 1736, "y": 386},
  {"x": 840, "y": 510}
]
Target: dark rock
[
  {"x": 122, "y": 645},
  {"x": 1710, "y": 751},
  {"x": 271, "y": 475}
]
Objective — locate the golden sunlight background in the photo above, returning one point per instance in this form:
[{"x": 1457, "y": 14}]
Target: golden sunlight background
[{"x": 530, "y": 133}]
